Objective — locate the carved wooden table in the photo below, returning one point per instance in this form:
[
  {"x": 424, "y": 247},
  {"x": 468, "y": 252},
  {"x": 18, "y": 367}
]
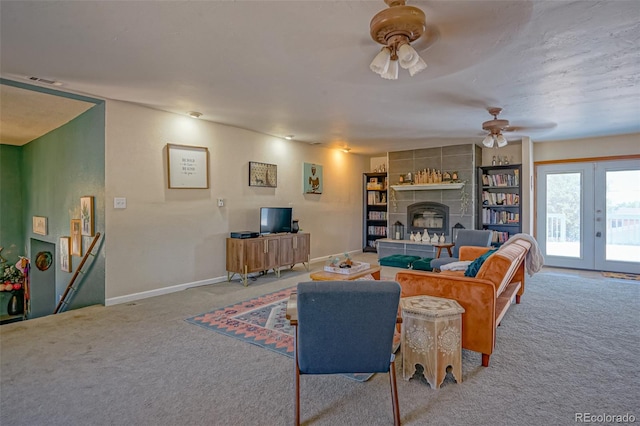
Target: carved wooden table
[{"x": 431, "y": 331}]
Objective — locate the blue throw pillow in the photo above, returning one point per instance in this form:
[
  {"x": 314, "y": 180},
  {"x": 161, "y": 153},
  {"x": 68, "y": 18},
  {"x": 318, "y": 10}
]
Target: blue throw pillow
[{"x": 474, "y": 266}]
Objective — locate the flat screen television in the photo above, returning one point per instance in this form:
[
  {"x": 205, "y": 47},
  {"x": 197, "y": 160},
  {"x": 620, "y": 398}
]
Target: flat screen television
[{"x": 275, "y": 219}]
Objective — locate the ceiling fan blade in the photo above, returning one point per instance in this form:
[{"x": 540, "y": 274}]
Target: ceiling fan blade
[{"x": 532, "y": 128}]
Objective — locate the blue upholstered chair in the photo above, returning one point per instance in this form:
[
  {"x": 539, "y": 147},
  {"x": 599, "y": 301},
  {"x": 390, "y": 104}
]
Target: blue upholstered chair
[
  {"x": 466, "y": 237},
  {"x": 346, "y": 327}
]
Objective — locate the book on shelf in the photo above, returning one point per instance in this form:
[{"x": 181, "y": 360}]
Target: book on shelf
[{"x": 504, "y": 179}]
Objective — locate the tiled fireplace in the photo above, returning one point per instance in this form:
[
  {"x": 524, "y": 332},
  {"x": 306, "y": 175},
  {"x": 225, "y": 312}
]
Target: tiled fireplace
[{"x": 438, "y": 209}]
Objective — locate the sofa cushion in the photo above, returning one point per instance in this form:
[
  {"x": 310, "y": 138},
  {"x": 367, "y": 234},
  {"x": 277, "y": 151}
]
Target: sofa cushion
[
  {"x": 398, "y": 260},
  {"x": 422, "y": 264},
  {"x": 474, "y": 266}
]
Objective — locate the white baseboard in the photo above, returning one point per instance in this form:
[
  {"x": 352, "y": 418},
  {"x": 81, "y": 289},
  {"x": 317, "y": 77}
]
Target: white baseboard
[
  {"x": 160, "y": 291},
  {"x": 179, "y": 287}
]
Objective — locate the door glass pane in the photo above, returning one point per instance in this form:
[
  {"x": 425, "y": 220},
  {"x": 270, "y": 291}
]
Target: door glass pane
[
  {"x": 563, "y": 214},
  {"x": 623, "y": 215}
]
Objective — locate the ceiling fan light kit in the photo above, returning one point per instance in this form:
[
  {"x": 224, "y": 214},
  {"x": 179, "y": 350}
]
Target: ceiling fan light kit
[
  {"x": 495, "y": 128},
  {"x": 395, "y": 28}
]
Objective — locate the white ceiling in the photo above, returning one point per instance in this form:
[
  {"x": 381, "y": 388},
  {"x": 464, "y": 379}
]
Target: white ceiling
[{"x": 570, "y": 69}]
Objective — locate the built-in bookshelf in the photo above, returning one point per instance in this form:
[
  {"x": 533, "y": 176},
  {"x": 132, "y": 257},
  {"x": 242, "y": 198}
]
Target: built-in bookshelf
[
  {"x": 500, "y": 209},
  {"x": 375, "y": 210}
]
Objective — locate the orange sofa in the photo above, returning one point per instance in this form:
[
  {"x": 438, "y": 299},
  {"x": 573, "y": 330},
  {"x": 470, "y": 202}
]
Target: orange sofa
[{"x": 485, "y": 297}]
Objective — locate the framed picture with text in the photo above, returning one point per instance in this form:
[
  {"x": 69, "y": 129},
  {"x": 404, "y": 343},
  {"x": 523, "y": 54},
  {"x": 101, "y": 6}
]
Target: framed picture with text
[{"x": 188, "y": 167}]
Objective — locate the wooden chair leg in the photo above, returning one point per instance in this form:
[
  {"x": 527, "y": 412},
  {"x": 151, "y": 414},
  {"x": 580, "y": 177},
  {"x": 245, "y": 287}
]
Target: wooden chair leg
[
  {"x": 297, "y": 376},
  {"x": 517, "y": 299},
  {"x": 485, "y": 360},
  {"x": 394, "y": 394}
]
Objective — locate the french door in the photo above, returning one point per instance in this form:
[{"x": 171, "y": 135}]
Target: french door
[{"x": 588, "y": 215}]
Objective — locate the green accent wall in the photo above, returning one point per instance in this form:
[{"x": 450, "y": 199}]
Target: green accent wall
[
  {"x": 11, "y": 204},
  {"x": 57, "y": 169}
]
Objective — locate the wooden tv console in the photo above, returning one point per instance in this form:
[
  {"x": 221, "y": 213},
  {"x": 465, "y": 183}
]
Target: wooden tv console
[{"x": 248, "y": 255}]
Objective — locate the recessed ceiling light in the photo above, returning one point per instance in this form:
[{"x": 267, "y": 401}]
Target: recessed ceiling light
[
  {"x": 289, "y": 137},
  {"x": 195, "y": 114},
  {"x": 346, "y": 149}
]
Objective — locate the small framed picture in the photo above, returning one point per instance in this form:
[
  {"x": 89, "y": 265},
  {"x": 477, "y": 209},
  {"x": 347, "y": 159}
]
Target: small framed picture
[
  {"x": 86, "y": 216},
  {"x": 65, "y": 254},
  {"x": 188, "y": 166},
  {"x": 312, "y": 178},
  {"x": 76, "y": 237},
  {"x": 263, "y": 174},
  {"x": 40, "y": 225}
]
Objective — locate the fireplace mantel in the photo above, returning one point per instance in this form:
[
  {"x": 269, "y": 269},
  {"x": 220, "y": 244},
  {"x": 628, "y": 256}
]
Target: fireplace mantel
[{"x": 427, "y": 186}]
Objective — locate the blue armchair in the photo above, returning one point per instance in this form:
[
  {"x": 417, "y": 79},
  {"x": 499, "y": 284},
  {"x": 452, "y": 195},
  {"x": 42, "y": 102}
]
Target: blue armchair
[
  {"x": 466, "y": 237},
  {"x": 346, "y": 327}
]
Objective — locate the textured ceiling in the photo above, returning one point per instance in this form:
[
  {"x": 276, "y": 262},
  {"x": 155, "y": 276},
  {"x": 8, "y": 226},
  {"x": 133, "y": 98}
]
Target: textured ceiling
[{"x": 564, "y": 69}]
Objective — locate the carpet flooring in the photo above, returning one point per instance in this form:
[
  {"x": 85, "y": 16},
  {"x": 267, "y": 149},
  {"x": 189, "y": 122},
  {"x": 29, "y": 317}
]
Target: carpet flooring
[
  {"x": 571, "y": 347},
  {"x": 260, "y": 321}
]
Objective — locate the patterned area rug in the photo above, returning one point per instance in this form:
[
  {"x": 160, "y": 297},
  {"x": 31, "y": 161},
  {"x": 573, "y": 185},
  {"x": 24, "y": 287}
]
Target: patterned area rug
[
  {"x": 261, "y": 322},
  {"x": 622, "y": 275}
]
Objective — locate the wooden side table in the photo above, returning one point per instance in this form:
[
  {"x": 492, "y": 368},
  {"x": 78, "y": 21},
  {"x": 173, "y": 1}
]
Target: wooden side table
[
  {"x": 441, "y": 246},
  {"x": 431, "y": 332}
]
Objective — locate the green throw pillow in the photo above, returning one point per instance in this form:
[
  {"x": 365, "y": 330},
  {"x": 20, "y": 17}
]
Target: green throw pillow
[{"x": 475, "y": 266}]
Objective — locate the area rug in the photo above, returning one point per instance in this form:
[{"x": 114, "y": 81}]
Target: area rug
[
  {"x": 260, "y": 321},
  {"x": 621, "y": 275}
]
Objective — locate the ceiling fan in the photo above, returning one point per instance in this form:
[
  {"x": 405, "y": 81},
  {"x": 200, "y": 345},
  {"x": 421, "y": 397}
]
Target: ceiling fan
[{"x": 497, "y": 126}]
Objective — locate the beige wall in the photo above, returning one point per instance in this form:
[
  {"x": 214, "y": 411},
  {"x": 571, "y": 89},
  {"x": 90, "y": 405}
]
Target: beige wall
[
  {"x": 168, "y": 239},
  {"x": 587, "y": 148}
]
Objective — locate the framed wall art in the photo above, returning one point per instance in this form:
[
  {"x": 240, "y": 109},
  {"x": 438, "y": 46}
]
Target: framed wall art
[
  {"x": 188, "y": 166},
  {"x": 263, "y": 174},
  {"x": 40, "y": 225},
  {"x": 312, "y": 178},
  {"x": 65, "y": 254},
  {"x": 86, "y": 216},
  {"x": 76, "y": 237}
]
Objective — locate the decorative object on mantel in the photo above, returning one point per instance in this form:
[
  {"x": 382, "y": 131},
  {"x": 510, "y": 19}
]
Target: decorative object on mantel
[
  {"x": 442, "y": 239},
  {"x": 425, "y": 236},
  {"x": 434, "y": 238},
  {"x": 412, "y": 237},
  {"x": 428, "y": 186}
]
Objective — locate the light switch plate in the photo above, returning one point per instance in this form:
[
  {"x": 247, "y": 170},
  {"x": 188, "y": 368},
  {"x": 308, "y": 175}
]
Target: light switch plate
[{"x": 119, "y": 203}]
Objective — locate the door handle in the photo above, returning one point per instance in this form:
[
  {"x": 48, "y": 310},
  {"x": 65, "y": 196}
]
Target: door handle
[{"x": 598, "y": 234}]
